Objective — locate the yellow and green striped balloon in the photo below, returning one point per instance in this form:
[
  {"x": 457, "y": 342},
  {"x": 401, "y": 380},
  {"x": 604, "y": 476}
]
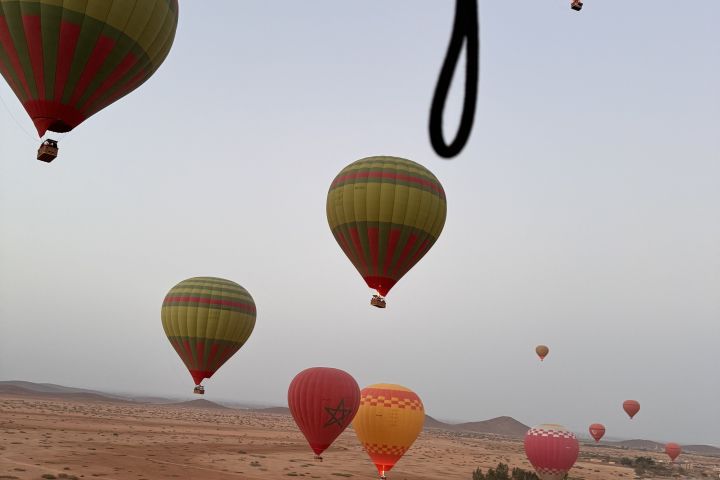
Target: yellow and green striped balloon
[
  {"x": 207, "y": 320},
  {"x": 385, "y": 213},
  {"x": 65, "y": 60}
]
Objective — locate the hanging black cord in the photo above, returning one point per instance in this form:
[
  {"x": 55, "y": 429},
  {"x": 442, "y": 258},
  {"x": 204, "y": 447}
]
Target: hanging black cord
[{"x": 465, "y": 30}]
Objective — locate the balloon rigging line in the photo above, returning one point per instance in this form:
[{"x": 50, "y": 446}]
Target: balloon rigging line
[
  {"x": 465, "y": 31},
  {"x": 32, "y": 137}
]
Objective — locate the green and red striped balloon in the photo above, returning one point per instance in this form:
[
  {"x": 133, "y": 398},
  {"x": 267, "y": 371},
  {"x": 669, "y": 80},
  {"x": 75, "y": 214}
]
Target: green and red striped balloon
[
  {"x": 385, "y": 213},
  {"x": 68, "y": 59},
  {"x": 207, "y": 320}
]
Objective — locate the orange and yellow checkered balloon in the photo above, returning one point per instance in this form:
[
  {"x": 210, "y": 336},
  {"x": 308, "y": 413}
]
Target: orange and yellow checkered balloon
[{"x": 389, "y": 420}]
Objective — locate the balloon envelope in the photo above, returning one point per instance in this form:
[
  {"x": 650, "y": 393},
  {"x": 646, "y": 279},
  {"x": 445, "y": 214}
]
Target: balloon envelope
[
  {"x": 552, "y": 450},
  {"x": 631, "y": 407},
  {"x": 323, "y": 401},
  {"x": 597, "y": 430},
  {"x": 389, "y": 420},
  {"x": 385, "y": 213},
  {"x": 66, "y": 59},
  {"x": 207, "y": 320},
  {"x": 673, "y": 450},
  {"x": 542, "y": 351}
]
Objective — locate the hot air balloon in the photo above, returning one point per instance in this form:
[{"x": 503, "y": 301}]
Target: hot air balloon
[
  {"x": 66, "y": 60},
  {"x": 597, "y": 430},
  {"x": 389, "y": 420},
  {"x": 552, "y": 450},
  {"x": 631, "y": 407},
  {"x": 207, "y": 320},
  {"x": 323, "y": 402},
  {"x": 385, "y": 213},
  {"x": 542, "y": 351},
  {"x": 673, "y": 450}
]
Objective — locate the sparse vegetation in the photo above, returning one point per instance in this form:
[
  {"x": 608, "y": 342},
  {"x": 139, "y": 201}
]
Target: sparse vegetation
[
  {"x": 502, "y": 472},
  {"x": 647, "y": 466}
]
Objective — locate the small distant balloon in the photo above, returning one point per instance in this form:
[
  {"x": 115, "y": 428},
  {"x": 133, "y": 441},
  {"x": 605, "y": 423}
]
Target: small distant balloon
[
  {"x": 631, "y": 407},
  {"x": 542, "y": 351},
  {"x": 552, "y": 450},
  {"x": 673, "y": 450},
  {"x": 597, "y": 430}
]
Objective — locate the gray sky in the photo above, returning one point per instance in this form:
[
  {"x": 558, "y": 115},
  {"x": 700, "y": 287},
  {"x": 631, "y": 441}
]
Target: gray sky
[{"x": 584, "y": 212}]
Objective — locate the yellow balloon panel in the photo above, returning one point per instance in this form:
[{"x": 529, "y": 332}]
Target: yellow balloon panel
[{"x": 389, "y": 420}]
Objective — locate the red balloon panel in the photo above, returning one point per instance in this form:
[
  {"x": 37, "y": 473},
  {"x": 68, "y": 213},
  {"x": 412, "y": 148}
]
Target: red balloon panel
[{"x": 323, "y": 402}]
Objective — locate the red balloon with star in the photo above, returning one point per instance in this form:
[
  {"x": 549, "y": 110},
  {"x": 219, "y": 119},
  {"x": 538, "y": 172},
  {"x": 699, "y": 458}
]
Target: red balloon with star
[{"x": 323, "y": 401}]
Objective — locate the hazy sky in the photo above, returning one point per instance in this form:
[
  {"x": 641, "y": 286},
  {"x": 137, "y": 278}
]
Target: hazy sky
[{"x": 584, "y": 212}]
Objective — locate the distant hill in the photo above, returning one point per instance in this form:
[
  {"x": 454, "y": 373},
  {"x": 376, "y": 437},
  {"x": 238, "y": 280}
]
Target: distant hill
[
  {"x": 701, "y": 449},
  {"x": 651, "y": 446},
  {"x": 638, "y": 444},
  {"x": 430, "y": 422},
  {"x": 199, "y": 403},
  {"x": 15, "y": 390},
  {"x": 275, "y": 410},
  {"x": 47, "y": 390},
  {"x": 506, "y": 426},
  {"x": 155, "y": 400}
]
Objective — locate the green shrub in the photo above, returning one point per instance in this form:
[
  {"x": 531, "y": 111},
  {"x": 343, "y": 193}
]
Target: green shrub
[{"x": 502, "y": 472}]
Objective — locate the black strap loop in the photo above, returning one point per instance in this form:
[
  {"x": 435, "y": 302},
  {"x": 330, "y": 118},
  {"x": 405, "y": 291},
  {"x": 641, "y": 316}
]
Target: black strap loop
[{"x": 465, "y": 30}]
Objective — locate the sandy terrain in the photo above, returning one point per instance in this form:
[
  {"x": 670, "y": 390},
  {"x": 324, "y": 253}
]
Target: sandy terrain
[{"x": 125, "y": 441}]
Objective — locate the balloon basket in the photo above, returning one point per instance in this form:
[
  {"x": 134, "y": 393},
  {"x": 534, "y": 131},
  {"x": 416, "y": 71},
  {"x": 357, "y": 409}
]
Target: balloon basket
[
  {"x": 48, "y": 151},
  {"x": 199, "y": 389},
  {"x": 377, "y": 301},
  {"x": 318, "y": 458}
]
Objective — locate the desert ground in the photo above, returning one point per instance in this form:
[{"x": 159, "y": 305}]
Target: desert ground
[{"x": 66, "y": 438}]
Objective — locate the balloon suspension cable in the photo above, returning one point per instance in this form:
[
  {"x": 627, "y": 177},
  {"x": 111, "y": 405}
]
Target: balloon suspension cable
[
  {"x": 465, "y": 30},
  {"x": 7, "y": 109},
  {"x": 56, "y": 135}
]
